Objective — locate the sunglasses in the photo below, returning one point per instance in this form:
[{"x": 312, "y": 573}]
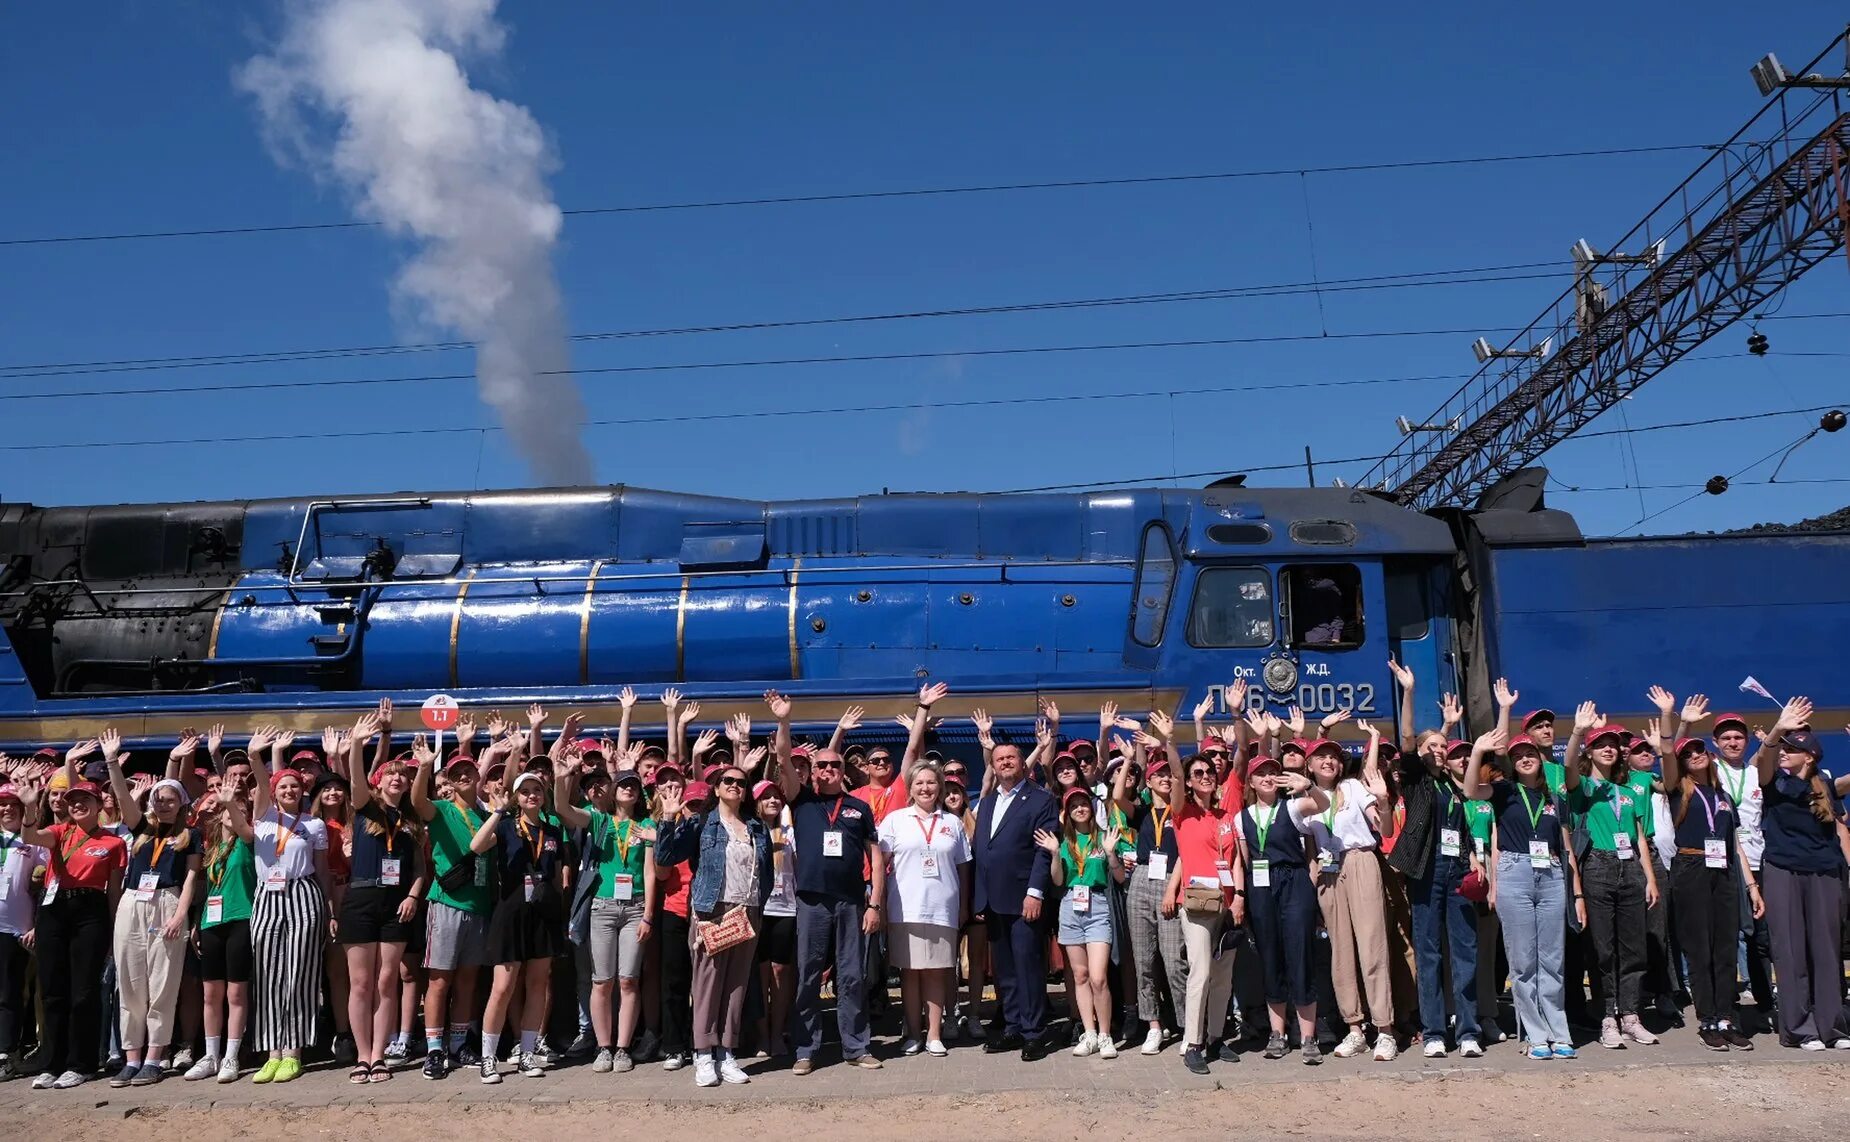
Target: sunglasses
[
  {"x": 738, "y": 782},
  {"x": 1194, "y": 773},
  {"x": 830, "y": 764}
]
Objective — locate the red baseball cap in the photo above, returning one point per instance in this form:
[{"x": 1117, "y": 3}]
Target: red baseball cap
[
  {"x": 1607, "y": 731},
  {"x": 696, "y": 791},
  {"x": 1298, "y": 744},
  {"x": 1325, "y": 743},
  {"x": 1731, "y": 720},
  {"x": 1521, "y": 741},
  {"x": 10, "y": 792},
  {"x": 1081, "y": 743},
  {"x": 1457, "y": 745},
  {"x": 87, "y": 788},
  {"x": 1079, "y": 791},
  {"x": 304, "y": 755},
  {"x": 667, "y": 767},
  {"x": 1639, "y": 745},
  {"x": 590, "y": 745},
  {"x": 1542, "y": 715},
  {"x": 1683, "y": 745}
]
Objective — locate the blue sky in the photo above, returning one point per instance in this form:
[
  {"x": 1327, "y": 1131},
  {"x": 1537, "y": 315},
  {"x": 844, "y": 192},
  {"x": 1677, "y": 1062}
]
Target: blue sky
[{"x": 127, "y": 120}]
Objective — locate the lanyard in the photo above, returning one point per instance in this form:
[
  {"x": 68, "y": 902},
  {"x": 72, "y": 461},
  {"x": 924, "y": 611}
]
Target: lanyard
[
  {"x": 160, "y": 846},
  {"x": 283, "y": 835},
  {"x": 220, "y": 863},
  {"x": 75, "y": 839},
  {"x": 1533, "y": 809},
  {"x": 1264, "y": 828},
  {"x": 1708, "y": 808},
  {"x": 623, "y": 839},
  {"x": 929, "y": 833},
  {"x": 535, "y": 839},
  {"x": 1736, "y": 789},
  {"x": 1079, "y": 859},
  {"x": 836, "y": 811},
  {"x": 1453, "y": 799},
  {"x": 1159, "y": 824}
]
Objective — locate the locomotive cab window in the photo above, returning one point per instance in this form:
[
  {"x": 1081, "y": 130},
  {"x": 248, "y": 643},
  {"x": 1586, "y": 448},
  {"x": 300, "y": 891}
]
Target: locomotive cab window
[
  {"x": 1323, "y": 605},
  {"x": 1232, "y": 607},
  {"x": 1156, "y": 579}
]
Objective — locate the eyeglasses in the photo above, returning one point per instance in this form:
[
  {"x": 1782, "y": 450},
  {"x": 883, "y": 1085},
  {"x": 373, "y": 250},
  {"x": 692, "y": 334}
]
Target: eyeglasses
[{"x": 739, "y": 782}]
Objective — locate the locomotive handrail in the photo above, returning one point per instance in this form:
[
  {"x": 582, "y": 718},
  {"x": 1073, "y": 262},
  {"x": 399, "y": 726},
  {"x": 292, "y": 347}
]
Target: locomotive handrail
[{"x": 809, "y": 571}]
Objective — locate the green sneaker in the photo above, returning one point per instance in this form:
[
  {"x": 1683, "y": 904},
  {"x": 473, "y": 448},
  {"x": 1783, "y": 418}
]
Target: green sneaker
[
  {"x": 290, "y": 1070},
  {"x": 268, "y": 1072}
]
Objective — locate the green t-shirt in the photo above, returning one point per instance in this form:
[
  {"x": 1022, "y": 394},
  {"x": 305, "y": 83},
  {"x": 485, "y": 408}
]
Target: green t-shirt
[
  {"x": 1640, "y": 782},
  {"x": 1555, "y": 774},
  {"x": 232, "y": 878},
  {"x": 1606, "y": 810},
  {"x": 621, "y": 850},
  {"x": 451, "y": 830},
  {"x": 1478, "y": 816},
  {"x": 1093, "y": 874}
]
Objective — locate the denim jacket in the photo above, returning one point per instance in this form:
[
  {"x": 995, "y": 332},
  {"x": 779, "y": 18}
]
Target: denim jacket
[{"x": 703, "y": 841}]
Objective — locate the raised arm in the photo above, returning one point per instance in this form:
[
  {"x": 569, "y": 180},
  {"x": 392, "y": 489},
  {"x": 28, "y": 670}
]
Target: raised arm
[
  {"x": 1484, "y": 746},
  {"x": 382, "y": 752},
  {"x": 260, "y": 773},
  {"x": 1794, "y": 714},
  {"x": 240, "y": 822},
  {"x": 1506, "y": 701},
  {"x": 626, "y": 699},
  {"x": 177, "y": 757},
  {"x": 1586, "y": 717},
  {"x": 1403, "y": 679},
  {"x": 915, "y": 736},
  {"x": 360, "y": 778},
  {"x": 420, "y": 783},
  {"x": 126, "y": 805},
  {"x": 985, "y": 735},
  {"x": 850, "y": 720},
  {"x": 789, "y": 782},
  {"x": 565, "y": 776},
  {"x": 1451, "y": 715}
]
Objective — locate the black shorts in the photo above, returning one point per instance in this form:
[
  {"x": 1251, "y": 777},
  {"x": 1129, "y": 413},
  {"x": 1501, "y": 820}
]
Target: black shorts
[
  {"x": 225, "y": 952},
  {"x": 522, "y": 930},
  {"x": 370, "y": 916},
  {"x": 414, "y": 946},
  {"x": 777, "y": 940}
]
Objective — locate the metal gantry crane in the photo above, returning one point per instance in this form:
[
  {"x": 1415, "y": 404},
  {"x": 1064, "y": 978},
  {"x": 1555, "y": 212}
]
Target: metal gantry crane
[{"x": 1768, "y": 205}]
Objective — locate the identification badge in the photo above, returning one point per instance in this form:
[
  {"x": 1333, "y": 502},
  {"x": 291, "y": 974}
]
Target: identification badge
[
  {"x": 389, "y": 870},
  {"x": 532, "y": 888},
  {"x": 51, "y": 894},
  {"x": 928, "y": 866},
  {"x": 1158, "y": 866},
  {"x": 832, "y": 843},
  {"x": 1450, "y": 843},
  {"x": 1622, "y": 847},
  {"x": 1224, "y": 872},
  {"x": 1715, "y": 853},
  {"x": 624, "y": 887},
  {"x": 215, "y": 909},
  {"x": 6, "y": 884},
  {"x": 147, "y": 886},
  {"x": 1262, "y": 874},
  {"x": 274, "y": 880},
  {"x": 1326, "y": 861},
  {"x": 1539, "y": 856},
  {"x": 1082, "y": 899},
  {"x": 1129, "y": 857}
]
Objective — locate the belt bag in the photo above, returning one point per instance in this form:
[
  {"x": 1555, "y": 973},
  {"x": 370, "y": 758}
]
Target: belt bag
[
  {"x": 730, "y": 930},
  {"x": 1196, "y": 898},
  {"x": 461, "y": 874}
]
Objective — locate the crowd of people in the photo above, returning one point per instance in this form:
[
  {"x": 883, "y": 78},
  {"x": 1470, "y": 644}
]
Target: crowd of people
[{"x": 1264, "y": 890}]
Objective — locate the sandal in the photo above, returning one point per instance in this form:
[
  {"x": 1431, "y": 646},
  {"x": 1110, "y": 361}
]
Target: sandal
[
  {"x": 380, "y": 1072},
  {"x": 360, "y": 1075}
]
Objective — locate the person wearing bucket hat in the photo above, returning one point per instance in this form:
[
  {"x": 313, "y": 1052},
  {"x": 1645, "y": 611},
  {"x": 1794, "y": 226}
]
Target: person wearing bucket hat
[
  {"x": 1281, "y": 899},
  {"x": 613, "y": 899},
  {"x": 151, "y": 925},
  {"x": 1802, "y": 878},
  {"x": 525, "y": 931},
  {"x": 461, "y": 899},
  {"x": 73, "y": 930},
  {"x": 19, "y": 864},
  {"x": 1620, "y": 887}
]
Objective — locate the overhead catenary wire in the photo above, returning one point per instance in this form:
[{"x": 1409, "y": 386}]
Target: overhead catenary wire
[{"x": 877, "y": 195}]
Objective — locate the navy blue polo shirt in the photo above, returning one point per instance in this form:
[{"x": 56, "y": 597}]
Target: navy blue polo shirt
[
  {"x": 1709, "y": 816},
  {"x": 524, "y": 850},
  {"x": 1145, "y": 819},
  {"x": 175, "y": 847},
  {"x": 397, "y": 842},
  {"x": 841, "y": 877},
  {"x": 1795, "y": 840},
  {"x": 1525, "y": 815}
]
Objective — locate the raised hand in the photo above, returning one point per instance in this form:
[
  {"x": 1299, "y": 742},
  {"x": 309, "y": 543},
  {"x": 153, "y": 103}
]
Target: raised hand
[
  {"x": 1332, "y": 720},
  {"x": 1451, "y": 710},
  {"x": 262, "y": 736},
  {"x": 215, "y": 737},
  {"x": 465, "y": 730},
  {"x": 1792, "y": 715},
  {"x": 536, "y": 716},
  {"x": 1050, "y": 709},
  {"x": 1163, "y": 724},
  {"x": 1506, "y": 697},
  {"x": 1296, "y": 784},
  {"x": 1403, "y": 676},
  {"x": 1662, "y": 699},
  {"x": 1294, "y": 719},
  {"x": 1654, "y": 731},
  {"x": 573, "y": 722},
  {"x": 670, "y": 800},
  {"x": 1043, "y": 733},
  {"x": 929, "y": 695},
  {"x": 1373, "y": 731},
  {"x": 186, "y": 748},
  {"x": 330, "y": 740},
  {"x": 1047, "y": 840},
  {"x": 421, "y": 751},
  {"x": 739, "y": 729},
  {"x": 82, "y": 749},
  {"x": 706, "y": 741},
  {"x": 1493, "y": 742},
  {"x": 1256, "y": 722},
  {"x": 689, "y": 712},
  {"x": 671, "y": 699},
  {"x": 1107, "y": 717},
  {"x": 626, "y": 697},
  {"x": 985, "y": 728},
  {"x": 497, "y": 727},
  {"x": 754, "y": 757},
  {"x": 1236, "y": 695},
  {"x": 1586, "y": 716},
  {"x": 283, "y": 739},
  {"x": 140, "y": 783},
  {"x": 1204, "y": 707},
  {"x": 1695, "y": 709},
  {"x": 778, "y": 704},
  {"x": 1148, "y": 740},
  {"x": 1273, "y": 725},
  {"x": 111, "y": 741},
  {"x": 851, "y": 717},
  {"x": 365, "y": 729},
  {"x": 632, "y": 756}
]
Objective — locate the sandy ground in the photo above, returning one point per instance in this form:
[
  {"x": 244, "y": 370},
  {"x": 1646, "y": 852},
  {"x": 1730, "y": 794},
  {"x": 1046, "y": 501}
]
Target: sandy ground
[{"x": 1639, "y": 1103}]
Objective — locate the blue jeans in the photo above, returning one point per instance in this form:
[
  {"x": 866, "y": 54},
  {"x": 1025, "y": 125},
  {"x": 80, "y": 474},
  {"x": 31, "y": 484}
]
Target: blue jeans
[
  {"x": 1443, "y": 922},
  {"x": 830, "y": 930},
  {"x": 1532, "y": 904}
]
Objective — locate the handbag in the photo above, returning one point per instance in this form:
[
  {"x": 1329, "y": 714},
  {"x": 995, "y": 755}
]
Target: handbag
[
  {"x": 1196, "y": 898},
  {"x": 1475, "y": 887},
  {"x": 460, "y": 876},
  {"x": 729, "y": 931}
]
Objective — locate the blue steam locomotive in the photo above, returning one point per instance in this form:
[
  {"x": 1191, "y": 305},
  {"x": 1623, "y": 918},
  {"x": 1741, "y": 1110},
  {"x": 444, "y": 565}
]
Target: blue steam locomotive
[{"x": 303, "y": 612}]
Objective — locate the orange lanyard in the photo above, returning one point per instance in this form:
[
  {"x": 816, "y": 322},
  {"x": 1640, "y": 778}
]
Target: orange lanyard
[
  {"x": 623, "y": 840},
  {"x": 160, "y": 846},
  {"x": 534, "y": 840},
  {"x": 283, "y": 835},
  {"x": 1159, "y": 824}
]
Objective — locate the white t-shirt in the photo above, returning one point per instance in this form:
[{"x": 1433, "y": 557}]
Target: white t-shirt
[
  {"x": 783, "y": 898},
  {"x": 17, "y": 860},
  {"x": 919, "y": 842},
  {"x": 1338, "y": 830},
  {"x": 1742, "y": 785},
  {"x": 302, "y": 838}
]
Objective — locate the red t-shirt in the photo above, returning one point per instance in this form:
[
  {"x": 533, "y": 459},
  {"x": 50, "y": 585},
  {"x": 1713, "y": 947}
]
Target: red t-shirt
[
  {"x": 881, "y": 801},
  {"x": 340, "y": 861},
  {"x": 674, "y": 883},
  {"x": 1203, "y": 840},
  {"x": 78, "y": 861}
]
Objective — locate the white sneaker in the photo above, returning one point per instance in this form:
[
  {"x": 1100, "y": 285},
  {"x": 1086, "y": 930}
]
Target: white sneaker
[
  {"x": 910, "y": 1047},
  {"x": 1087, "y": 1045},
  {"x": 44, "y": 1081},
  {"x": 1812, "y": 1045},
  {"x": 530, "y": 1065},
  {"x": 674, "y": 1062},
  {"x": 730, "y": 1071},
  {"x": 69, "y": 1079},
  {"x": 1841, "y": 1045},
  {"x": 1385, "y": 1048},
  {"x": 182, "y": 1060},
  {"x": 1153, "y": 1042},
  {"x": 1353, "y": 1044},
  {"x": 936, "y": 1049},
  {"x": 1106, "y": 1048},
  {"x": 228, "y": 1070},
  {"x": 706, "y": 1073},
  {"x": 205, "y": 1068},
  {"x": 1469, "y": 1049},
  {"x": 1434, "y": 1049}
]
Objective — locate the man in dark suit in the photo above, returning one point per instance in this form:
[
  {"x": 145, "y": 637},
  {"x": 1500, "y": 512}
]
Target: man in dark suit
[{"x": 1013, "y": 877}]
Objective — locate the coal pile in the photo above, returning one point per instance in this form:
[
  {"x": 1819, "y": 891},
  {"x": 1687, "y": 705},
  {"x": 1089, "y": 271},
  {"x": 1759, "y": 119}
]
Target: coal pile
[{"x": 1838, "y": 520}]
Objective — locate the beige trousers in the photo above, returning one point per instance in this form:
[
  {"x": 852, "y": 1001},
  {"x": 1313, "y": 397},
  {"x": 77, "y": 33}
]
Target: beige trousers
[
  {"x": 148, "y": 968},
  {"x": 1354, "y": 908}
]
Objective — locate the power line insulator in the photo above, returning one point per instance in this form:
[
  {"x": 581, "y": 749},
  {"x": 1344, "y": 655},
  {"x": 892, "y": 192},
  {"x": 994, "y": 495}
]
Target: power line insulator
[
  {"x": 1716, "y": 485},
  {"x": 1832, "y": 421},
  {"x": 1757, "y": 343}
]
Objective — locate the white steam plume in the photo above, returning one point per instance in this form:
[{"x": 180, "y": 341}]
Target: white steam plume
[{"x": 372, "y": 94}]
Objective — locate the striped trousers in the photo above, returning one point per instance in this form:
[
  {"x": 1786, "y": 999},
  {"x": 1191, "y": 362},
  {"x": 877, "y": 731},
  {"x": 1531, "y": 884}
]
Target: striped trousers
[{"x": 288, "y": 931}]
